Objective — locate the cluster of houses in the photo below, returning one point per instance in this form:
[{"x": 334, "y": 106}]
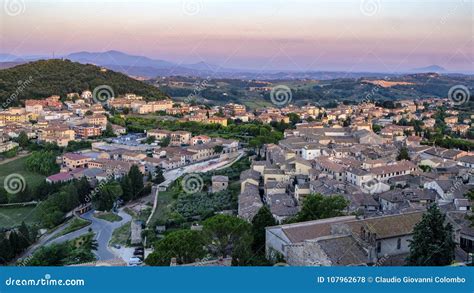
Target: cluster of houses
[
  {"x": 112, "y": 160},
  {"x": 387, "y": 195},
  {"x": 50, "y": 120}
]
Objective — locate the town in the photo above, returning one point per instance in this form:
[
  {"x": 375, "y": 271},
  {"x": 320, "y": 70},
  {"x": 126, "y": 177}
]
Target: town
[{"x": 133, "y": 179}]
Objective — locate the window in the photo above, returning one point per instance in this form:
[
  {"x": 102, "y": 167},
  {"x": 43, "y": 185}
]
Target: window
[
  {"x": 399, "y": 243},
  {"x": 379, "y": 247}
]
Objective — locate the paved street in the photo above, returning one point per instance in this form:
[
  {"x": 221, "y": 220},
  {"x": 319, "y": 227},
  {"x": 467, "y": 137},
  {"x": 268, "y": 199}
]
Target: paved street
[
  {"x": 204, "y": 166},
  {"x": 102, "y": 228}
]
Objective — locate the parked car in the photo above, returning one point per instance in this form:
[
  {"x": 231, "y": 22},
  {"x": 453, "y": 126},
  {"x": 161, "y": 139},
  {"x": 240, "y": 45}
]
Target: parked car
[
  {"x": 138, "y": 253},
  {"x": 135, "y": 261}
]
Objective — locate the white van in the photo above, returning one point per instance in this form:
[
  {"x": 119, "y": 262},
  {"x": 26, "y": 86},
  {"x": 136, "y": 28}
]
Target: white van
[{"x": 134, "y": 261}]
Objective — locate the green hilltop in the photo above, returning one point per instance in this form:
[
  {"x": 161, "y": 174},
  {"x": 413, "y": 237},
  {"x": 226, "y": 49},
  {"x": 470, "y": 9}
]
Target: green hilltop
[{"x": 43, "y": 78}]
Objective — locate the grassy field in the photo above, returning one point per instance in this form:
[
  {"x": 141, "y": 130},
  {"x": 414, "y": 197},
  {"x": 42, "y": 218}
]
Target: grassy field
[
  {"x": 19, "y": 166},
  {"x": 74, "y": 225},
  {"x": 255, "y": 104},
  {"x": 121, "y": 235},
  {"x": 111, "y": 217},
  {"x": 13, "y": 216},
  {"x": 163, "y": 207}
]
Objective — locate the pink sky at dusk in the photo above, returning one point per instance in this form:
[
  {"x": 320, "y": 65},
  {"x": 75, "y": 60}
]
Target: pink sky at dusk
[{"x": 354, "y": 35}]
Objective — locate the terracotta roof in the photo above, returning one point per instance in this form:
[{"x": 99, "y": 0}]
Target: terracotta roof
[
  {"x": 312, "y": 229},
  {"x": 393, "y": 168},
  {"x": 60, "y": 177},
  {"x": 388, "y": 226},
  {"x": 74, "y": 156},
  {"x": 343, "y": 250}
]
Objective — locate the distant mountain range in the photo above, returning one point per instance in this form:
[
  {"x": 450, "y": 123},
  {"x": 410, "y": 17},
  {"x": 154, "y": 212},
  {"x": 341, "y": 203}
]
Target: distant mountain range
[
  {"x": 432, "y": 68},
  {"x": 143, "y": 66}
]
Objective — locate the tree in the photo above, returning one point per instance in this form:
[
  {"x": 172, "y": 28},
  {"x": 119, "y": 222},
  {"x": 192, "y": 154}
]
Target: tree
[
  {"x": 185, "y": 245},
  {"x": 6, "y": 250},
  {"x": 260, "y": 221},
  {"x": 74, "y": 145},
  {"x": 126, "y": 185},
  {"x": 24, "y": 232},
  {"x": 15, "y": 242},
  {"x": 78, "y": 250},
  {"x": 23, "y": 139},
  {"x": 403, "y": 154},
  {"x": 107, "y": 195},
  {"x": 136, "y": 182},
  {"x": 83, "y": 189},
  {"x": 225, "y": 233},
  {"x": 432, "y": 243},
  {"x": 425, "y": 168},
  {"x": 109, "y": 130},
  {"x": 43, "y": 162},
  {"x": 149, "y": 140},
  {"x": 3, "y": 196},
  {"x": 347, "y": 122},
  {"x": 317, "y": 206},
  {"x": 218, "y": 149},
  {"x": 159, "y": 177},
  {"x": 376, "y": 128},
  {"x": 67, "y": 198},
  {"x": 165, "y": 141},
  {"x": 294, "y": 118}
]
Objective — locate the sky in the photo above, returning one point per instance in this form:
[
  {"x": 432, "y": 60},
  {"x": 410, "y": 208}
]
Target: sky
[{"x": 339, "y": 35}]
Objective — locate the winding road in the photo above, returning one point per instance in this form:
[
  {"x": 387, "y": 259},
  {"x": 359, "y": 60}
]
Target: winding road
[{"x": 103, "y": 233}]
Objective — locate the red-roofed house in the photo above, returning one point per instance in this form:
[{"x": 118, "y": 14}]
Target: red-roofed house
[{"x": 73, "y": 160}]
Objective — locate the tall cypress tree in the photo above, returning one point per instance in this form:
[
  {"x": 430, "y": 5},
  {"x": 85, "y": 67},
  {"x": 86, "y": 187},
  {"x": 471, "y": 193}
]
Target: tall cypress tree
[
  {"x": 260, "y": 221},
  {"x": 6, "y": 250},
  {"x": 432, "y": 243},
  {"x": 126, "y": 188},
  {"x": 24, "y": 233},
  {"x": 136, "y": 180}
]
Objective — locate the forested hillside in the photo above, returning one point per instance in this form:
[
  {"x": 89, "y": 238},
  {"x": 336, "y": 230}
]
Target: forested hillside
[{"x": 40, "y": 79}]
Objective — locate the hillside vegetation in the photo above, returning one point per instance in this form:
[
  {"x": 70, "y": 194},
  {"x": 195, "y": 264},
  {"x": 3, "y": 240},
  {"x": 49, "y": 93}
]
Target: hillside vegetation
[
  {"x": 324, "y": 92},
  {"x": 40, "y": 79}
]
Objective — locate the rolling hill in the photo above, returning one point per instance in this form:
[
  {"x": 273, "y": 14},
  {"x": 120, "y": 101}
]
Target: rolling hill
[
  {"x": 43, "y": 78},
  {"x": 324, "y": 92}
]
